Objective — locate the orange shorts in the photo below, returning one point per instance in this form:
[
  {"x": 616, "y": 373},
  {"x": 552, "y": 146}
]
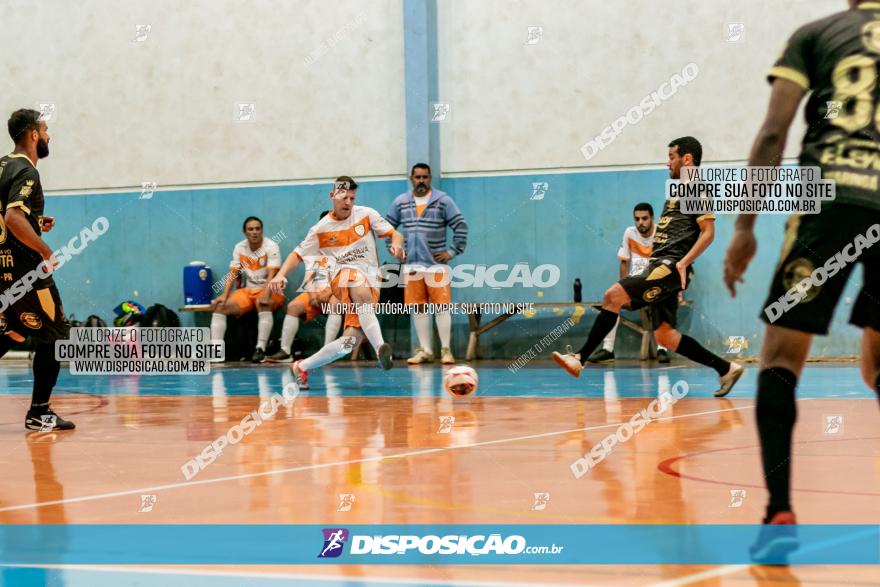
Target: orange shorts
[
  {"x": 340, "y": 287},
  {"x": 423, "y": 287},
  {"x": 313, "y": 310},
  {"x": 247, "y": 297}
]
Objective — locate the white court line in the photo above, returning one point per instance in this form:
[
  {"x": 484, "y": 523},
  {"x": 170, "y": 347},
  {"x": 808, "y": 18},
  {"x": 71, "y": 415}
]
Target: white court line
[
  {"x": 347, "y": 579},
  {"x": 687, "y": 580},
  {"x": 313, "y": 467}
]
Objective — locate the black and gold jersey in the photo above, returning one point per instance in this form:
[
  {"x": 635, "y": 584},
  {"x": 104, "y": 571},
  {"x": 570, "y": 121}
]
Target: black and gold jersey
[
  {"x": 19, "y": 187},
  {"x": 676, "y": 231},
  {"x": 837, "y": 59}
]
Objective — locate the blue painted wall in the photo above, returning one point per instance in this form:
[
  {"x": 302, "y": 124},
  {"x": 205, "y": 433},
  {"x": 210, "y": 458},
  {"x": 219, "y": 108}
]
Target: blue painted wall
[{"x": 577, "y": 226}]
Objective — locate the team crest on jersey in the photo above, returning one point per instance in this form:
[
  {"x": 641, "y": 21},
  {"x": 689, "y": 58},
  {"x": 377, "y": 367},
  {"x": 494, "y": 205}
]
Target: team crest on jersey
[
  {"x": 25, "y": 190},
  {"x": 795, "y": 272},
  {"x": 31, "y": 320},
  {"x": 651, "y": 294},
  {"x": 360, "y": 230},
  {"x": 262, "y": 261},
  {"x": 871, "y": 36}
]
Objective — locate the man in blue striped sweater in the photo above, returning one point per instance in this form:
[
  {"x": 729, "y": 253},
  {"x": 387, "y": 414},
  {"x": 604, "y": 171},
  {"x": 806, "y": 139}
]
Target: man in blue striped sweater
[{"x": 425, "y": 214}]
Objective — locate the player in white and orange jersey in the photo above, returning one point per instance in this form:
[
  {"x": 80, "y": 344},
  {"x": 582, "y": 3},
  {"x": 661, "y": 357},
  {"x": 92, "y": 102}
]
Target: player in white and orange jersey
[
  {"x": 309, "y": 304},
  {"x": 346, "y": 237}
]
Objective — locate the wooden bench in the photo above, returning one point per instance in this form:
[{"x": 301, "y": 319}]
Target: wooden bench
[{"x": 648, "y": 348}]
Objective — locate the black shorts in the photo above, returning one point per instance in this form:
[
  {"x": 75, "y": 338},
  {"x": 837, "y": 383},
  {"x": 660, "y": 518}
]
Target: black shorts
[
  {"x": 818, "y": 255},
  {"x": 38, "y": 314},
  {"x": 656, "y": 287}
]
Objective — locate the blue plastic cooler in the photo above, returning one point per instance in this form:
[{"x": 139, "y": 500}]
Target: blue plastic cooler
[{"x": 197, "y": 284}]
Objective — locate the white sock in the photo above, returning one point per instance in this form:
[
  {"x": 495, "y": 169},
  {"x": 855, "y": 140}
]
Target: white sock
[
  {"x": 331, "y": 329},
  {"x": 662, "y": 348},
  {"x": 422, "y": 322},
  {"x": 329, "y": 353},
  {"x": 218, "y": 326},
  {"x": 288, "y": 332},
  {"x": 444, "y": 328},
  {"x": 370, "y": 326},
  {"x": 264, "y": 329},
  {"x": 608, "y": 343}
]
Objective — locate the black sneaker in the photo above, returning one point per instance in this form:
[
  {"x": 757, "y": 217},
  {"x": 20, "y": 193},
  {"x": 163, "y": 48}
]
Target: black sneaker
[
  {"x": 601, "y": 356},
  {"x": 259, "y": 356},
  {"x": 662, "y": 356},
  {"x": 384, "y": 355},
  {"x": 46, "y": 421},
  {"x": 280, "y": 357}
]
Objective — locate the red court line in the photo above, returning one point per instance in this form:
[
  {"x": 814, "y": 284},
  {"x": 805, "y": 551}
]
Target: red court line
[{"x": 666, "y": 467}]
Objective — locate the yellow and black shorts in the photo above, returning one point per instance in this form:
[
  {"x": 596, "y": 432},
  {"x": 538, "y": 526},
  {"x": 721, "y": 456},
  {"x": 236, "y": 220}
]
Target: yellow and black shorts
[
  {"x": 657, "y": 288},
  {"x": 818, "y": 254},
  {"x": 37, "y": 314}
]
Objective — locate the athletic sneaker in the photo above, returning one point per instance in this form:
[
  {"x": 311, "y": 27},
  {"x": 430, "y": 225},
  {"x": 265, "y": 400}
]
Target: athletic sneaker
[
  {"x": 662, "y": 355},
  {"x": 280, "y": 357},
  {"x": 259, "y": 356},
  {"x": 421, "y": 356},
  {"x": 570, "y": 361},
  {"x": 46, "y": 421},
  {"x": 446, "y": 357},
  {"x": 299, "y": 375},
  {"x": 728, "y": 381},
  {"x": 775, "y": 543},
  {"x": 384, "y": 356},
  {"x": 602, "y": 356}
]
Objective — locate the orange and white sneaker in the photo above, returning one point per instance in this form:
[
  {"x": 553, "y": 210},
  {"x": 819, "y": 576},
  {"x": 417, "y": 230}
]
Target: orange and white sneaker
[
  {"x": 570, "y": 361},
  {"x": 300, "y": 375}
]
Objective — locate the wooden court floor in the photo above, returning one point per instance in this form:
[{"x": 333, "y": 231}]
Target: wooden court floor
[{"x": 406, "y": 462}]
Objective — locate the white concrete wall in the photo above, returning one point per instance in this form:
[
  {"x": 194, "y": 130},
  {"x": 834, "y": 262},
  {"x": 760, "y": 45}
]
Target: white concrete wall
[
  {"x": 519, "y": 106},
  {"x": 164, "y": 109}
]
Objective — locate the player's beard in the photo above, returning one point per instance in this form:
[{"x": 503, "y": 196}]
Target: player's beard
[
  {"x": 420, "y": 190},
  {"x": 643, "y": 230},
  {"x": 42, "y": 149}
]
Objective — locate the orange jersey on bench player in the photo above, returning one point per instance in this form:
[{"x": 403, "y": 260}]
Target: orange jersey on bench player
[{"x": 350, "y": 245}]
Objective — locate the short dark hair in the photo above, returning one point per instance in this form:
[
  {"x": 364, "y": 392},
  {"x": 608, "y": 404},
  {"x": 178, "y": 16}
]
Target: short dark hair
[
  {"x": 420, "y": 166},
  {"x": 644, "y": 206},
  {"x": 688, "y": 146},
  {"x": 248, "y": 219},
  {"x": 344, "y": 182},
  {"x": 22, "y": 121}
]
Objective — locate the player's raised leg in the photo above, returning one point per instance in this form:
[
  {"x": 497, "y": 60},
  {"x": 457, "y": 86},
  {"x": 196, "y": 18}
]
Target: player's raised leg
[{"x": 614, "y": 299}]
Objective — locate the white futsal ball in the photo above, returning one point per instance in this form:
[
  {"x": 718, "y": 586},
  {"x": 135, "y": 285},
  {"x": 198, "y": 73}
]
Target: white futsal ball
[{"x": 461, "y": 381}]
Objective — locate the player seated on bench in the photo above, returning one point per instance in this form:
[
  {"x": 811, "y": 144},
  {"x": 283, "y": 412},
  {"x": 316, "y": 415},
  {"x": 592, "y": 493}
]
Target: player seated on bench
[{"x": 258, "y": 260}]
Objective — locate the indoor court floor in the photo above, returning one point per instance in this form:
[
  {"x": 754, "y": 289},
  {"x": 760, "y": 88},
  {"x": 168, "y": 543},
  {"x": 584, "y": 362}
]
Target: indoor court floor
[{"x": 386, "y": 438}]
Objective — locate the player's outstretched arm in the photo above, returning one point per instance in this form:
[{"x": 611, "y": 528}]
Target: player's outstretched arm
[
  {"x": 279, "y": 282},
  {"x": 767, "y": 150},
  {"x": 19, "y": 226}
]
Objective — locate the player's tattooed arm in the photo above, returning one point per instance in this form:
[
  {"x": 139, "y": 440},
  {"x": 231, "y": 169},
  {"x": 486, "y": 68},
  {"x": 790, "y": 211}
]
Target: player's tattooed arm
[{"x": 18, "y": 225}]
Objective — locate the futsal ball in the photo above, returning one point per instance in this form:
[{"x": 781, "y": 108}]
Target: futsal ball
[{"x": 461, "y": 381}]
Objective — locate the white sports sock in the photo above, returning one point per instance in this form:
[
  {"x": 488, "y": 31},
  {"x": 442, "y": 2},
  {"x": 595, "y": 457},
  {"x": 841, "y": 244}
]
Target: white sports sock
[
  {"x": 662, "y": 348},
  {"x": 329, "y": 353},
  {"x": 422, "y": 322},
  {"x": 264, "y": 329},
  {"x": 608, "y": 343},
  {"x": 444, "y": 328},
  {"x": 370, "y": 326},
  {"x": 288, "y": 332},
  {"x": 218, "y": 326},
  {"x": 331, "y": 329}
]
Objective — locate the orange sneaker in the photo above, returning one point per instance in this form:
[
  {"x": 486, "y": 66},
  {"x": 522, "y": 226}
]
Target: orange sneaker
[{"x": 300, "y": 375}]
